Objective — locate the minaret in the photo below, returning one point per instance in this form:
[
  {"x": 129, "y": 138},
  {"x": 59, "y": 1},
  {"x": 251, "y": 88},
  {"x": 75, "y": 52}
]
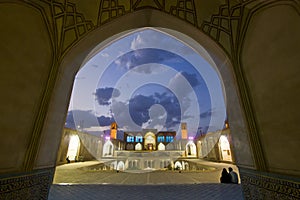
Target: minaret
[
  {"x": 184, "y": 133},
  {"x": 113, "y": 130}
]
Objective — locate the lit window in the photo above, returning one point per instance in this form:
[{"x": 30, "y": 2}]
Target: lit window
[
  {"x": 160, "y": 138},
  {"x": 169, "y": 138},
  {"x": 130, "y": 139},
  {"x": 138, "y": 139}
]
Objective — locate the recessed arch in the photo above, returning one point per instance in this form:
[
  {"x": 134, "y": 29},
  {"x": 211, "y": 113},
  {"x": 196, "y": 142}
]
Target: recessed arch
[
  {"x": 108, "y": 149},
  {"x": 191, "y": 150},
  {"x": 104, "y": 35}
]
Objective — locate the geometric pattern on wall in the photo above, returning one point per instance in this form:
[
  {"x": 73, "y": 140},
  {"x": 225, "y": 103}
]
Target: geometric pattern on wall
[
  {"x": 228, "y": 28},
  {"x": 268, "y": 186},
  {"x": 183, "y": 9},
  {"x": 33, "y": 185},
  {"x": 224, "y": 26},
  {"x": 67, "y": 24}
]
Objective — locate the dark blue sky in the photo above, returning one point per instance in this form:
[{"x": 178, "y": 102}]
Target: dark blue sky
[{"x": 147, "y": 80}]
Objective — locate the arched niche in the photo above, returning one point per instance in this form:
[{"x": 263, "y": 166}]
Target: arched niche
[
  {"x": 150, "y": 142},
  {"x": 108, "y": 149},
  {"x": 161, "y": 147},
  {"x": 121, "y": 166},
  {"x": 138, "y": 147},
  {"x": 103, "y": 36},
  {"x": 191, "y": 150}
]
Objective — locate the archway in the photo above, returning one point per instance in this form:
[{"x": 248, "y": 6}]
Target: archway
[
  {"x": 150, "y": 143},
  {"x": 161, "y": 146},
  {"x": 73, "y": 147},
  {"x": 108, "y": 149},
  {"x": 138, "y": 147},
  {"x": 178, "y": 165},
  {"x": 191, "y": 149},
  {"x": 121, "y": 165},
  {"x": 83, "y": 51},
  {"x": 193, "y": 43},
  {"x": 225, "y": 148}
]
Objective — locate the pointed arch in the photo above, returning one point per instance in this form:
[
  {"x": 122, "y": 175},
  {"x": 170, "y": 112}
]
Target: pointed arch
[{"x": 96, "y": 40}]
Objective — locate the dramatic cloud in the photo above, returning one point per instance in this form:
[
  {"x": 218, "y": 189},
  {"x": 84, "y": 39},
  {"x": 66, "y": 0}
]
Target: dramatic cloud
[
  {"x": 122, "y": 116},
  {"x": 144, "y": 56},
  {"x": 104, "y": 95},
  {"x": 139, "y": 107},
  {"x": 80, "y": 119},
  {"x": 105, "y": 121},
  {"x": 192, "y": 78},
  {"x": 132, "y": 63},
  {"x": 70, "y": 121}
]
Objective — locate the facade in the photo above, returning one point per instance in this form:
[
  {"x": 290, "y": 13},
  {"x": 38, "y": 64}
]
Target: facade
[
  {"x": 254, "y": 46},
  {"x": 147, "y": 149},
  {"x": 148, "y": 139},
  {"x": 216, "y": 146}
]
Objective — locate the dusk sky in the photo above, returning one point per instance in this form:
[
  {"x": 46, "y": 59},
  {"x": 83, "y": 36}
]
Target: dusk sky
[{"x": 147, "y": 79}]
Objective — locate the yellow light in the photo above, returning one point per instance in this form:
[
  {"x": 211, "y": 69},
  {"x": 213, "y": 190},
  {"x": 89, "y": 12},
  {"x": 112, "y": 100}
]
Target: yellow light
[{"x": 73, "y": 147}]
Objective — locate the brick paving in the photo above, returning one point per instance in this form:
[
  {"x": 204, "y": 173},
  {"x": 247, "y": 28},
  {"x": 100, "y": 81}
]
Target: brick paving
[
  {"x": 205, "y": 191},
  {"x": 71, "y": 182}
]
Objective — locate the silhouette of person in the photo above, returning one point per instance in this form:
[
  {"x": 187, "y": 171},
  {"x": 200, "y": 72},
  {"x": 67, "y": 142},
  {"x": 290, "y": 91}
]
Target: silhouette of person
[
  {"x": 68, "y": 160},
  {"x": 234, "y": 176},
  {"x": 225, "y": 176}
]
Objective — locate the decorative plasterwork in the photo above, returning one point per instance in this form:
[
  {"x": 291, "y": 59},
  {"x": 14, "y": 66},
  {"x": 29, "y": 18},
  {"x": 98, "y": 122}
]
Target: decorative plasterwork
[
  {"x": 68, "y": 26},
  {"x": 33, "y": 185},
  {"x": 183, "y": 9},
  {"x": 268, "y": 186},
  {"x": 224, "y": 26}
]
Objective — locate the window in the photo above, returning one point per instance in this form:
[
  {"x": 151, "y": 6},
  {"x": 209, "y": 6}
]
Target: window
[
  {"x": 130, "y": 138},
  {"x": 169, "y": 138},
  {"x": 138, "y": 139},
  {"x": 160, "y": 138}
]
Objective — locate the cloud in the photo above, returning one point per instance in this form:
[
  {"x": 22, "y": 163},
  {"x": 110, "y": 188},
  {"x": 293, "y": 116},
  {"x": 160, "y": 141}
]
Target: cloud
[
  {"x": 105, "y": 121},
  {"x": 206, "y": 114},
  {"x": 88, "y": 122},
  {"x": 122, "y": 116},
  {"x": 157, "y": 122},
  {"x": 180, "y": 80},
  {"x": 144, "y": 56},
  {"x": 139, "y": 107},
  {"x": 80, "y": 119},
  {"x": 104, "y": 95},
  {"x": 136, "y": 42},
  {"x": 105, "y": 55},
  {"x": 70, "y": 121},
  {"x": 192, "y": 78},
  {"x": 150, "y": 38}
]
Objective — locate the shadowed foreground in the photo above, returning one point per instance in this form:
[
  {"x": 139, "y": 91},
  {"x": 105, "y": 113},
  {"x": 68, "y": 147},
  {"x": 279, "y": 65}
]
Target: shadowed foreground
[
  {"x": 78, "y": 181},
  {"x": 205, "y": 191}
]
